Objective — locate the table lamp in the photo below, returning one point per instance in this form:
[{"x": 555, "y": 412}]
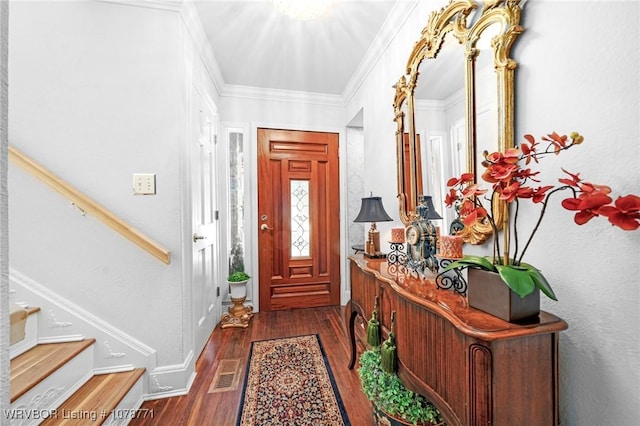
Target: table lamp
[{"x": 372, "y": 211}]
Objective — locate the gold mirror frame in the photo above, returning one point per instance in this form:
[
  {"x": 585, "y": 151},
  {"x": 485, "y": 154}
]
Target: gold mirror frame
[{"x": 454, "y": 18}]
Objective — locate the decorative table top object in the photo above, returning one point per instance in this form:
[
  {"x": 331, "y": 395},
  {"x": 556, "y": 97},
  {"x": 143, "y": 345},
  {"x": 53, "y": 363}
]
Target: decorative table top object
[
  {"x": 397, "y": 256},
  {"x": 373, "y": 211},
  {"x": 451, "y": 246},
  {"x": 422, "y": 238},
  {"x": 450, "y": 251}
]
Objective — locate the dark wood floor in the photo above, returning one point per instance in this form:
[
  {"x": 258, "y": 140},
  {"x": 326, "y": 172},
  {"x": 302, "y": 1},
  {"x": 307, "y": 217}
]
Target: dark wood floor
[{"x": 220, "y": 409}]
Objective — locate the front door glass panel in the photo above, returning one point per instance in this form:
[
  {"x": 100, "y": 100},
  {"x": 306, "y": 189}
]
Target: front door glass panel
[{"x": 300, "y": 224}]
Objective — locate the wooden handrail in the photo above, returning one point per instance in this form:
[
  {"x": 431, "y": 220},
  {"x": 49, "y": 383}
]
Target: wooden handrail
[{"x": 88, "y": 205}]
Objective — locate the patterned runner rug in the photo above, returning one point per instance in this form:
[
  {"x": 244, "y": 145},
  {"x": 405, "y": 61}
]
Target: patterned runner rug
[{"x": 289, "y": 382}]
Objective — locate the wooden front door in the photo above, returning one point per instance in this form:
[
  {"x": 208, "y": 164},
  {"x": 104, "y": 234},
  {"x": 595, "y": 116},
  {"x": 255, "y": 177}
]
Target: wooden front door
[{"x": 298, "y": 219}]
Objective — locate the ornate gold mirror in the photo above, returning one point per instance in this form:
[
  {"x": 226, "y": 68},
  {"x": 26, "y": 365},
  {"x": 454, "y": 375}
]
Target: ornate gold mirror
[
  {"x": 409, "y": 170},
  {"x": 455, "y": 101}
]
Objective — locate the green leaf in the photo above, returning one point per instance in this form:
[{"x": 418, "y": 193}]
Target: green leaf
[
  {"x": 238, "y": 276},
  {"x": 518, "y": 279},
  {"x": 471, "y": 261},
  {"x": 542, "y": 283}
]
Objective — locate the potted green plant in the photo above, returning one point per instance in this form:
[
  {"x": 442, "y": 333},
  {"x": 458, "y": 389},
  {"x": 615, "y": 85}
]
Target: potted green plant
[
  {"x": 390, "y": 398},
  {"x": 514, "y": 182},
  {"x": 238, "y": 277},
  {"x": 239, "y": 314}
]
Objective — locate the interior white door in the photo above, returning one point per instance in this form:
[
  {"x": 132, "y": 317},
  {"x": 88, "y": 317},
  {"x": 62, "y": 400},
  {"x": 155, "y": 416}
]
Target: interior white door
[{"x": 206, "y": 302}]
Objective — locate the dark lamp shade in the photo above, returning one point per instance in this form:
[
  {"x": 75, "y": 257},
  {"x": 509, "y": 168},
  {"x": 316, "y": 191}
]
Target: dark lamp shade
[
  {"x": 431, "y": 212},
  {"x": 372, "y": 211}
]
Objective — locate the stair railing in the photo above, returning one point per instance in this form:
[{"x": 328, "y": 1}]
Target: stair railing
[{"x": 87, "y": 205}]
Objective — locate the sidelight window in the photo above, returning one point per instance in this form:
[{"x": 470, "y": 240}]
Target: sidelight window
[{"x": 235, "y": 138}]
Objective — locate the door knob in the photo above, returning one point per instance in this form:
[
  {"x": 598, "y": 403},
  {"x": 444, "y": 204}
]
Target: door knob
[
  {"x": 197, "y": 237},
  {"x": 266, "y": 227}
]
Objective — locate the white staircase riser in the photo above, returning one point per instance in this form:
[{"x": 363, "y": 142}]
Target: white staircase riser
[{"x": 54, "y": 390}]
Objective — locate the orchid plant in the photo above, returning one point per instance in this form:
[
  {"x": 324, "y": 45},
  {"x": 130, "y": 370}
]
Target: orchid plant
[{"x": 512, "y": 182}]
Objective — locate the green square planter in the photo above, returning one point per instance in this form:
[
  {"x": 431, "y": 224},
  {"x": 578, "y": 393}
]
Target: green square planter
[{"x": 487, "y": 292}]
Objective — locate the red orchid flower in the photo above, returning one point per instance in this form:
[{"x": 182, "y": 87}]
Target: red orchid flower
[
  {"x": 559, "y": 142},
  {"x": 499, "y": 173},
  {"x": 587, "y": 207},
  {"x": 525, "y": 192},
  {"x": 453, "y": 181},
  {"x": 575, "y": 179},
  {"x": 510, "y": 192},
  {"x": 466, "y": 207},
  {"x": 590, "y": 188},
  {"x": 529, "y": 150},
  {"x": 540, "y": 193},
  {"x": 625, "y": 214},
  {"x": 473, "y": 191},
  {"x": 465, "y": 177},
  {"x": 493, "y": 158},
  {"x": 475, "y": 215},
  {"x": 511, "y": 156},
  {"x": 451, "y": 197},
  {"x": 527, "y": 174}
]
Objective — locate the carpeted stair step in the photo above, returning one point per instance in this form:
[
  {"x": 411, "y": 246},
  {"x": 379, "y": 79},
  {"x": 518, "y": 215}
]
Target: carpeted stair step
[
  {"x": 34, "y": 366},
  {"x": 97, "y": 399}
]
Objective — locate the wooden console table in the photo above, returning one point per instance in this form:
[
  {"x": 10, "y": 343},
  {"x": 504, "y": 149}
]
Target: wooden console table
[{"x": 476, "y": 368}]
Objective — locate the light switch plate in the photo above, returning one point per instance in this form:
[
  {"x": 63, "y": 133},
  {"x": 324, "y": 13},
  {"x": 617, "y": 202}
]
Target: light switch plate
[{"x": 144, "y": 184}]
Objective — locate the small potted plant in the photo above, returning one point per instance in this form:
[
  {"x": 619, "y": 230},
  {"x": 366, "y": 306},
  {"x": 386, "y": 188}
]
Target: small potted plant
[
  {"x": 239, "y": 315},
  {"x": 514, "y": 182},
  {"x": 238, "y": 277},
  {"x": 393, "y": 403}
]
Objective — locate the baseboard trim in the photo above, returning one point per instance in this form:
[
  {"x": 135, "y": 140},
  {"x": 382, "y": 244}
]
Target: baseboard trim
[
  {"x": 60, "y": 339},
  {"x": 108, "y": 370}
]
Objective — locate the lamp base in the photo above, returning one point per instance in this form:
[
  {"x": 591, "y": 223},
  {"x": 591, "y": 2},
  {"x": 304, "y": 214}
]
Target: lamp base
[{"x": 375, "y": 255}]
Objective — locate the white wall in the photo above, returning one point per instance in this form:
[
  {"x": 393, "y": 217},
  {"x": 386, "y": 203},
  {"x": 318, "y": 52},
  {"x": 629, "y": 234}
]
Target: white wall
[
  {"x": 586, "y": 77},
  {"x": 95, "y": 96},
  {"x": 578, "y": 70}
]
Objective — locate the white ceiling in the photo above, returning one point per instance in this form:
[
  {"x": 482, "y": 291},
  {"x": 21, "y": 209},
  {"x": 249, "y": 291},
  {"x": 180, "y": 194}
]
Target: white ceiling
[{"x": 255, "y": 45}]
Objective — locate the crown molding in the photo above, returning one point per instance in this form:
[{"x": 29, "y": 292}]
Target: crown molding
[
  {"x": 258, "y": 93},
  {"x": 401, "y": 10},
  {"x": 171, "y": 5},
  {"x": 455, "y": 98},
  {"x": 429, "y": 105}
]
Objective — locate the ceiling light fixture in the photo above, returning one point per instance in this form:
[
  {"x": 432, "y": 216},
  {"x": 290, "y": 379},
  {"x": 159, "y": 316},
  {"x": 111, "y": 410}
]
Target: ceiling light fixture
[{"x": 304, "y": 10}]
